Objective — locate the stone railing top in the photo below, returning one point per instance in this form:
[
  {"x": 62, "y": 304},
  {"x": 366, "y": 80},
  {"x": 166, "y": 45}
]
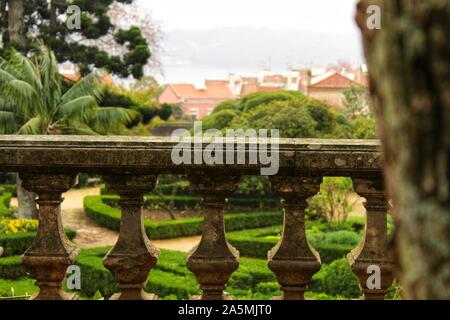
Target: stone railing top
[{"x": 153, "y": 155}]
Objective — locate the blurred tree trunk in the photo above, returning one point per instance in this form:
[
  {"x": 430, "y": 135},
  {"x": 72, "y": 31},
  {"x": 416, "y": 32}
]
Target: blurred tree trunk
[
  {"x": 409, "y": 65},
  {"x": 16, "y": 24},
  {"x": 26, "y": 202}
]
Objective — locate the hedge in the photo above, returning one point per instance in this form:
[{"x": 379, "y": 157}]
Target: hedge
[
  {"x": 185, "y": 201},
  {"x": 15, "y": 244},
  {"x": 256, "y": 243},
  {"x": 5, "y": 210},
  {"x": 10, "y": 188},
  {"x": 97, "y": 208},
  {"x": 170, "y": 279}
]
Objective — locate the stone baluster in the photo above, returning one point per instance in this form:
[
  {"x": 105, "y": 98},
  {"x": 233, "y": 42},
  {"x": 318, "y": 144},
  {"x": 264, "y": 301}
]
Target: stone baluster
[
  {"x": 52, "y": 252},
  {"x": 213, "y": 260},
  {"x": 133, "y": 256},
  {"x": 293, "y": 260},
  {"x": 372, "y": 254}
]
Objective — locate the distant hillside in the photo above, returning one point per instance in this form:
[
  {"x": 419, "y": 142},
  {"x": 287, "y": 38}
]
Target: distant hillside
[{"x": 254, "y": 48}]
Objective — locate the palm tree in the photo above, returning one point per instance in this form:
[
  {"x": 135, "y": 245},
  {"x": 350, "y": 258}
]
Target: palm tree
[{"x": 32, "y": 101}]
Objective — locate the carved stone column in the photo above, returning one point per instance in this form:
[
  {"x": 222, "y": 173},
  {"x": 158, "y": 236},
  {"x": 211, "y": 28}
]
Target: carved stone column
[
  {"x": 133, "y": 256},
  {"x": 52, "y": 252},
  {"x": 293, "y": 260},
  {"x": 213, "y": 260},
  {"x": 373, "y": 250}
]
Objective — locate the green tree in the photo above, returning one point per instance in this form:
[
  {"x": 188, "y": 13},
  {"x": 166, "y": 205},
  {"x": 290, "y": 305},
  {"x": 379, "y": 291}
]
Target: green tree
[
  {"x": 355, "y": 102},
  {"x": 32, "y": 101},
  {"x": 25, "y": 21},
  {"x": 291, "y": 118}
]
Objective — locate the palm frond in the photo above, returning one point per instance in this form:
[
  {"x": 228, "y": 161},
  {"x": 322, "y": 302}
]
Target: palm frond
[
  {"x": 25, "y": 70},
  {"x": 111, "y": 118},
  {"x": 21, "y": 94},
  {"x": 7, "y": 122},
  {"x": 88, "y": 86},
  {"x": 50, "y": 77},
  {"x": 79, "y": 129},
  {"x": 35, "y": 125},
  {"x": 78, "y": 107},
  {"x": 5, "y": 76}
]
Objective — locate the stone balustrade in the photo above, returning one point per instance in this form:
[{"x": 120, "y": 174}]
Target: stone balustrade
[{"x": 48, "y": 166}]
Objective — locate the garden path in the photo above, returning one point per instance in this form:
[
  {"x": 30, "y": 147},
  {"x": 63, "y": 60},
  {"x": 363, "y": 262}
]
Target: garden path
[{"x": 90, "y": 235}]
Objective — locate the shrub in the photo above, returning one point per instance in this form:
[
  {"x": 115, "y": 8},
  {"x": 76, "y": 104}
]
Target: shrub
[
  {"x": 170, "y": 279},
  {"x": 183, "y": 199},
  {"x": 331, "y": 246},
  {"x": 336, "y": 279},
  {"x": 15, "y": 244},
  {"x": 97, "y": 209},
  {"x": 9, "y": 188},
  {"x": 332, "y": 202},
  {"x": 5, "y": 210}
]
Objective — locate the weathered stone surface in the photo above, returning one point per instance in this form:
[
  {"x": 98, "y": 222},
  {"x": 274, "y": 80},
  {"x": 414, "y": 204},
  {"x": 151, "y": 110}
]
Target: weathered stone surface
[
  {"x": 51, "y": 252},
  {"x": 133, "y": 256},
  {"x": 108, "y": 155},
  {"x": 293, "y": 260},
  {"x": 130, "y": 166},
  {"x": 213, "y": 260},
  {"x": 373, "y": 250}
]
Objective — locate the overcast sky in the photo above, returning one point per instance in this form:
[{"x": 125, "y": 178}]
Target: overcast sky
[{"x": 332, "y": 16}]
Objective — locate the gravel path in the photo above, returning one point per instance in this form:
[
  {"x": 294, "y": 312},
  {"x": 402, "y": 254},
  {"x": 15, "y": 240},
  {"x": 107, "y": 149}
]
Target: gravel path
[{"x": 90, "y": 235}]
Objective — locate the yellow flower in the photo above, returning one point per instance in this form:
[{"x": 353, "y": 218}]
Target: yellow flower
[{"x": 14, "y": 226}]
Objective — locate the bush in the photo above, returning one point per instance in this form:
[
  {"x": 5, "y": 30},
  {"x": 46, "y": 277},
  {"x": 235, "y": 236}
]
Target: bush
[
  {"x": 336, "y": 279},
  {"x": 331, "y": 246},
  {"x": 5, "y": 210},
  {"x": 184, "y": 200},
  {"x": 15, "y": 244},
  {"x": 97, "y": 209},
  {"x": 9, "y": 188},
  {"x": 170, "y": 279}
]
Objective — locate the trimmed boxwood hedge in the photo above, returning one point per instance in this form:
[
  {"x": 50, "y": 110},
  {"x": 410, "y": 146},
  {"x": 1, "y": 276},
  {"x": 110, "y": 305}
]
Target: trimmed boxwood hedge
[
  {"x": 257, "y": 242},
  {"x": 10, "y": 188},
  {"x": 186, "y": 201},
  {"x": 5, "y": 210},
  {"x": 97, "y": 208},
  {"x": 15, "y": 244},
  {"x": 170, "y": 279}
]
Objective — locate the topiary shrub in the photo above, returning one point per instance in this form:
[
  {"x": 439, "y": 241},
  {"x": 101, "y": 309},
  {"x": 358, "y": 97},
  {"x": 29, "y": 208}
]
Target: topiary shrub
[
  {"x": 336, "y": 279},
  {"x": 97, "y": 209},
  {"x": 5, "y": 210},
  {"x": 16, "y": 244}
]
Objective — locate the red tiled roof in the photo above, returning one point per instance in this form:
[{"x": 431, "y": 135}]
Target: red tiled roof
[
  {"x": 212, "y": 91},
  {"x": 333, "y": 80},
  {"x": 275, "y": 79}
]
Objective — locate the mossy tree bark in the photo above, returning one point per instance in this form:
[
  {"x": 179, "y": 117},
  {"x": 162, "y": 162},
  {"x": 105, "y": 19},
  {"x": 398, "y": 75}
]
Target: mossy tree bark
[
  {"x": 409, "y": 65},
  {"x": 16, "y": 23}
]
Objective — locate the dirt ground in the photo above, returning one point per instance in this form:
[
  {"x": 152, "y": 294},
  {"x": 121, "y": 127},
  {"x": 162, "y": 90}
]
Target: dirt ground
[{"x": 90, "y": 235}]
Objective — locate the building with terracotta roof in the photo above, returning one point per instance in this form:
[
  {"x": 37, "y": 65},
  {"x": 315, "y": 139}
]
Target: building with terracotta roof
[
  {"x": 329, "y": 88},
  {"x": 268, "y": 81},
  {"x": 197, "y": 103}
]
